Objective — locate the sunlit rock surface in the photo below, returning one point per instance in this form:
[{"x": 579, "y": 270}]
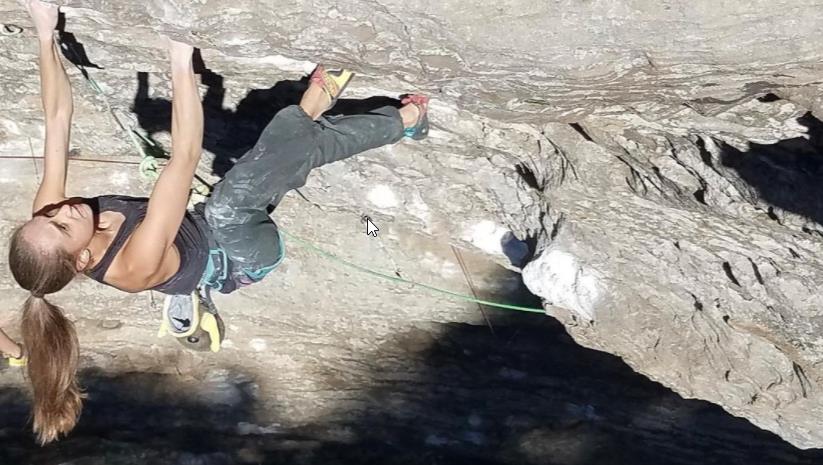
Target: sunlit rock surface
[{"x": 657, "y": 164}]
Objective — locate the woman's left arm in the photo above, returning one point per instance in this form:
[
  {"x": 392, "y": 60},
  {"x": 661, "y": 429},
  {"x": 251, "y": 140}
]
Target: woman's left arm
[{"x": 58, "y": 106}]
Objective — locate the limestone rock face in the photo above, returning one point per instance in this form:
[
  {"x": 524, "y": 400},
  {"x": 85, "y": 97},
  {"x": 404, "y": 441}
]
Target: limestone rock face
[{"x": 663, "y": 158}]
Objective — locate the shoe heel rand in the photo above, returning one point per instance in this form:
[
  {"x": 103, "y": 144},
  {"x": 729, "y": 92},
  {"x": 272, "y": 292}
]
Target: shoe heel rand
[{"x": 209, "y": 324}]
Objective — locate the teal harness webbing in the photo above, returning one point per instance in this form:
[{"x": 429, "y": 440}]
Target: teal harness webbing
[{"x": 218, "y": 265}]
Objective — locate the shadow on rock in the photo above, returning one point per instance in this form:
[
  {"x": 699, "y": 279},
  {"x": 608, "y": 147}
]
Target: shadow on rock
[
  {"x": 73, "y": 50},
  {"x": 787, "y": 174},
  {"x": 526, "y": 393},
  {"x": 229, "y": 133},
  {"x": 141, "y": 418},
  {"x": 523, "y": 393}
]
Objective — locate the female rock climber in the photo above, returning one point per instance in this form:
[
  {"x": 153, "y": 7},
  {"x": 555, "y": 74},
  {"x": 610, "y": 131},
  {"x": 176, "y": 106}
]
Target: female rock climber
[{"x": 135, "y": 244}]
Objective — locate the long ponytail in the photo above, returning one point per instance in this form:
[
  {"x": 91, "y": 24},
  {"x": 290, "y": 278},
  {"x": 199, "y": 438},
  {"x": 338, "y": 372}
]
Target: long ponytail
[
  {"x": 53, "y": 354},
  {"x": 49, "y": 337}
]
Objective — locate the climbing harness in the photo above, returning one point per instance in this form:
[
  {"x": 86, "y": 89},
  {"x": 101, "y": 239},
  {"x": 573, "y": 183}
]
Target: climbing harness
[{"x": 217, "y": 269}]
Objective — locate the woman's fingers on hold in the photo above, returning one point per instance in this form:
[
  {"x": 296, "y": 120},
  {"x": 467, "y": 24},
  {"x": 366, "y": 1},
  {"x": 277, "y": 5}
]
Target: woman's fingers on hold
[
  {"x": 179, "y": 50},
  {"x": 43, "y": 14},
  {"x": 41, "y": 8}
]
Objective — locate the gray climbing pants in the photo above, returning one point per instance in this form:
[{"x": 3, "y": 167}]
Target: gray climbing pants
[{"x": 281, "y": 160}]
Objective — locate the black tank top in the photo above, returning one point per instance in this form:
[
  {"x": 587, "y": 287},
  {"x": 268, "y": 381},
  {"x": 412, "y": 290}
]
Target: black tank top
[{"x": 192, "y": 243}]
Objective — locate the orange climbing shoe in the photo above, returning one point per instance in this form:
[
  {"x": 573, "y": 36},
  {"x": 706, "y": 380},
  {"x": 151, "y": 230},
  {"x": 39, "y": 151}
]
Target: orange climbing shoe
[
  {"x": 420, "y": 130},
  {"x": 332, "y": 82}
]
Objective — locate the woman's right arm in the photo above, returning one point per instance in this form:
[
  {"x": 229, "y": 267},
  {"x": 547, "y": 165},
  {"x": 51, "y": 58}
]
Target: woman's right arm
[
  {"x": 55, "y": 90},
  {"x": 146, "y": 249}
]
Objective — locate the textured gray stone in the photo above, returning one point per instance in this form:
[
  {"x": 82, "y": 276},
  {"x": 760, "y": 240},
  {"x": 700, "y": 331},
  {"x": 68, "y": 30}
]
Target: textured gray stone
[
  {"x": 662, "y": 237},
  {"x": 708, "y": 293}
]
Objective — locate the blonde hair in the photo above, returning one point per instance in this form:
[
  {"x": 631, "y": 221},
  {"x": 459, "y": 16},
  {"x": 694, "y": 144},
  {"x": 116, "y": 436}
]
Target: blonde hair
[{"x": 49, "y": 337}]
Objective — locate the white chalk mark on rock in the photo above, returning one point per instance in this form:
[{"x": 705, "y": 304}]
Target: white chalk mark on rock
[
  {"x": 257, "y": 344},
  {"x": 486, "y": 236},
  {"x": 562, "y": 280},
  {"x": 382, "y": 197}
]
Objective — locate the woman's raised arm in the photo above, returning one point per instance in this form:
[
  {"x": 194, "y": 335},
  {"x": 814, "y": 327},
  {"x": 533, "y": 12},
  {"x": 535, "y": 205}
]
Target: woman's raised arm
[
  {"x": 55, "y": 91},
  {"x": 148, "y": 245}
]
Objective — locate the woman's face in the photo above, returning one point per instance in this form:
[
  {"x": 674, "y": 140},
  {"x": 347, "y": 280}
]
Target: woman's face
[{"x": 69, "y": 224}]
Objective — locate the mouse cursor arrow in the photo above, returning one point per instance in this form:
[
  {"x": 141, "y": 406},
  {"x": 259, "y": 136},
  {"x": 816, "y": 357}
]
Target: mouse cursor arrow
[{"x": 371, "y": 229}]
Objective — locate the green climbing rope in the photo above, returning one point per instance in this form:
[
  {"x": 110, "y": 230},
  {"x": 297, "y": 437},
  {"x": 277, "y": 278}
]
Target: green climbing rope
[
  {"x": 149, "y": 169},
  {"x": 308, "y": 245}
]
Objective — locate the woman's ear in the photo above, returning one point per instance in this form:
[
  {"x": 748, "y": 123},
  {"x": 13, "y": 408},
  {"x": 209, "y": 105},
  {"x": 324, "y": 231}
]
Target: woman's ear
[{"x": 83, "y": 260}]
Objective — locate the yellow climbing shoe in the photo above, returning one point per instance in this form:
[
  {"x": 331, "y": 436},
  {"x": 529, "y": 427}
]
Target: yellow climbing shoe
[
  {"x": 332, "y": 82},
  {"x": 18, "y": 361},
  {"x": 212, "y": 326},
  {"x": 193, "y": 321}
]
